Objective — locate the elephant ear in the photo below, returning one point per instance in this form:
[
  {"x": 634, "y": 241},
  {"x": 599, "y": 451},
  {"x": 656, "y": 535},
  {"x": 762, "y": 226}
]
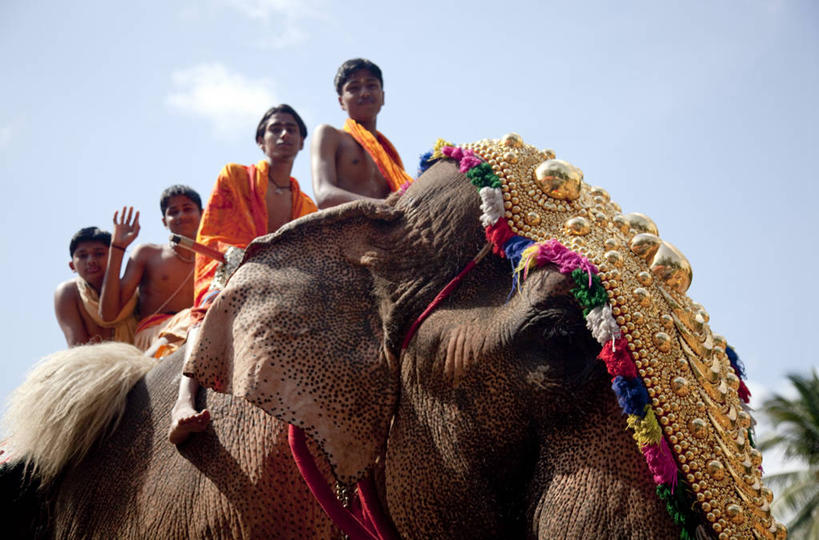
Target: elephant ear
[{"x": 297, "y": 332}]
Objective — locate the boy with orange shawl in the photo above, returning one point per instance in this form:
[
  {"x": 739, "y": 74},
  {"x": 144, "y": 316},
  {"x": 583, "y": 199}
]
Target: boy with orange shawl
[
  {"x": 358, "y": 161},
  {"x": 246, "y": 202}
]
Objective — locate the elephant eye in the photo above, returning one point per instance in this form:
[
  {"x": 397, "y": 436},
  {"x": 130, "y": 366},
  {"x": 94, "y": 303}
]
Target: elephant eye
[{"x": 556, "y": 338}]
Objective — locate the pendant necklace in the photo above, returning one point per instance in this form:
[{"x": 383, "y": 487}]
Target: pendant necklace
[{"x": 280, "y": 189}]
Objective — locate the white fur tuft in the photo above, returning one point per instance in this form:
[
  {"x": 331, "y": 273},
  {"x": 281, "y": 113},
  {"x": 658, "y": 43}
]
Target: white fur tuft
[
  {"x": 602, "y": 325},
  {"x": 69, "y": 400},
  {"x": 491, "y": 205}
]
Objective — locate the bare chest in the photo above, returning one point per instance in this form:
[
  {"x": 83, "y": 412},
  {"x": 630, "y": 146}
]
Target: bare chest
[
  {"x": 357, "y": 172},
  {"x": 279, "y": 207},
  {"x": 167, "y": 285}
]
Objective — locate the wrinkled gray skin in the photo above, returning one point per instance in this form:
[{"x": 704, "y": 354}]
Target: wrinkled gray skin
[{"x": 503, "y": 422}]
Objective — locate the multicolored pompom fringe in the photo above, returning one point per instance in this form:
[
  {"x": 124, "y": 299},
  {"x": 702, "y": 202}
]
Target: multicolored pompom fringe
[{"x": 525, "y": 255}]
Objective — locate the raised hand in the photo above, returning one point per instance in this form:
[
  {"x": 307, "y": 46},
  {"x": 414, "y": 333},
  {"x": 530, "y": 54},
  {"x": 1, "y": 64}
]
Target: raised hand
[{"x": 126, "y": 228}]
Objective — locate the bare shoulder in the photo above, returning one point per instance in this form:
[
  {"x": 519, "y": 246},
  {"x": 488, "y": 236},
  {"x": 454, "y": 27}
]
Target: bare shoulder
[
  {"x": 146, "y": 253},
  {"x": 325, "y": 133},
  {"x": 326, "y": 130},
  {"x": 66, "y": 292},
  {"x": 147, "y": 250}
]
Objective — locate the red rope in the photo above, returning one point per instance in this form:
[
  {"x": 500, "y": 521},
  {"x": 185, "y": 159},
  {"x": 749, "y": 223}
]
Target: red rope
[
  {"x": 371, "y": 524},
  {"x": 446, "y": 291},
  {"x": 341, "y": 517}
]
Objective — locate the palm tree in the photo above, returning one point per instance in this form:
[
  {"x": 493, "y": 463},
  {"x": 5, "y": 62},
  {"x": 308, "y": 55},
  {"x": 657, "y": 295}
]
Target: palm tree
[{"x": 796, "y": 423}]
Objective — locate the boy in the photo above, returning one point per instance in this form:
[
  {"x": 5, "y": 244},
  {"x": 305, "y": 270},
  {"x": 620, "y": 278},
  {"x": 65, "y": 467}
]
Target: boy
[
  {"x": 76, "y": 302},
  {"x": 356, "y": 162},
  {"x": 246, "y": 202},
  {"x": 162, "y": 274}
]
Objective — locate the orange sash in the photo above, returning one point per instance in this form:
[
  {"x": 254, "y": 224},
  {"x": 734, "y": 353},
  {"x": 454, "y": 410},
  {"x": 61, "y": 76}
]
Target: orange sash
[
  {"x": 383, "y": 153},
  {"x": 236, "y": 213}
]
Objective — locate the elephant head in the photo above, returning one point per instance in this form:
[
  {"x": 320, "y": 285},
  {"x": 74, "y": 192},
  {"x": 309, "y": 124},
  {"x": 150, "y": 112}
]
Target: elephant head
[{"x": 495, "y": 416}]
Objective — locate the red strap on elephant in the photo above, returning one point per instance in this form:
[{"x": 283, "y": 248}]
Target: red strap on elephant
[
  {"x": 446, "y": 291},
  {"x": 370, "y": 524}
]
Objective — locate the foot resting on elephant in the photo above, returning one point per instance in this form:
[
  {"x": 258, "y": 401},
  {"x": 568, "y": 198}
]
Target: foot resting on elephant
[{"x": 186, "y": 420}]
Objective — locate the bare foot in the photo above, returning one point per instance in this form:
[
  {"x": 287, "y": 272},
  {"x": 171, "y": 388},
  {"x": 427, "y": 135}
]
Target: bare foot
[{"x": 184, "y": 421}]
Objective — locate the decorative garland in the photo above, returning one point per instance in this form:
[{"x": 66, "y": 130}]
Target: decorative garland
[{"x": 526, "y": 254}]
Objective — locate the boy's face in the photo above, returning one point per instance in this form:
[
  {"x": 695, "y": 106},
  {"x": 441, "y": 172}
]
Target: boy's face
[
  {"x": 89, "y": 261},
  {"x": 361, "y": 95},
  {"x": 182, "y": 216},
  {"x": 282, "y": 139}
]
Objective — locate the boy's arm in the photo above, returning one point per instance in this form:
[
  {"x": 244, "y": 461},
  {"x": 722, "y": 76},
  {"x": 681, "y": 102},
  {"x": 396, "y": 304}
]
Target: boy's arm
[
  {"x": 66, "y": 299},
  {"x": 116, "y": 292},
  {"x": 324, "y": 149}
]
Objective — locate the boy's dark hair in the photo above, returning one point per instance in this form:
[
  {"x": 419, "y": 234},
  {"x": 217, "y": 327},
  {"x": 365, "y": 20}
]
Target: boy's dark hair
[
  {"x": 351, "y": 66},
  {"x": 178, "y": 189},
  {"x": 283, "y": 108},
  {"x": 89, "y": 234}
]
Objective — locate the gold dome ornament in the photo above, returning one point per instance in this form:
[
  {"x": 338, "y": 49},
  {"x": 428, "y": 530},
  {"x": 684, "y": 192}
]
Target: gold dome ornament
[
  {"x": 692, "y": 388},
  {"x": 513, "y": 140},
  {"x": 559, "y": 179}
]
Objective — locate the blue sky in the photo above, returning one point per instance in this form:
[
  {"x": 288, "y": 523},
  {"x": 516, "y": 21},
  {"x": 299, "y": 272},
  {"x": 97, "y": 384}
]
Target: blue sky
[{"x": 702, "y": 114}]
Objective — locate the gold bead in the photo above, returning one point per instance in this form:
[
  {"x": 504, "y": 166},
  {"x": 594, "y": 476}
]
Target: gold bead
[
  {"x": 662, "y": 341},
  {"x": 734, "y": 513},
  {"x": 671, "y": 267},
  {"x": 715, "y": 469},
  {"x": 578, "y": 226},
  {"x": 645, "y": 245},
  {"x": 613, "y": 258},
  {"x": 641, "y": 223},
  {"x": 559, "y": 179},
  {"x": 511, "y": 157},
  {"x": 679, "y": 385},
  {"x": 642, "y": 296},
  {"x": 532, "y": 218},
  {"x": 697, "y": 427},
  {"x": 620, "y": 222},
  {"x": 513, "y": 140},
  {"x": 599, "y": 192}
]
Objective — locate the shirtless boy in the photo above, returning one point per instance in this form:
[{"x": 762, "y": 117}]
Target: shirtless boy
[
  {"x": 356, "y": 162},
  {"x": 162, "y": 274},
  {"x": 246, "y": 202},
  {"x": 75, "y": 300}
]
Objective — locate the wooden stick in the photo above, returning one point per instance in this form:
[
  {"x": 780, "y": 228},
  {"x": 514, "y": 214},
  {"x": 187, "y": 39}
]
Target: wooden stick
[{"x": 196, "y": 247}]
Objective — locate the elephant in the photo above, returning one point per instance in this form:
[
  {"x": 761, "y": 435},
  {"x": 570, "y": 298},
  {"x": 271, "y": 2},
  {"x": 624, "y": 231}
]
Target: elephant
[{"x": 487, "y": 416}]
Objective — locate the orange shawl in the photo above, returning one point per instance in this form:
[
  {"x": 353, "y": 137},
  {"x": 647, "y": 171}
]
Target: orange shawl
[
  {"x": 383, "y": 153},
  {"x": 236, "y": 213}
]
